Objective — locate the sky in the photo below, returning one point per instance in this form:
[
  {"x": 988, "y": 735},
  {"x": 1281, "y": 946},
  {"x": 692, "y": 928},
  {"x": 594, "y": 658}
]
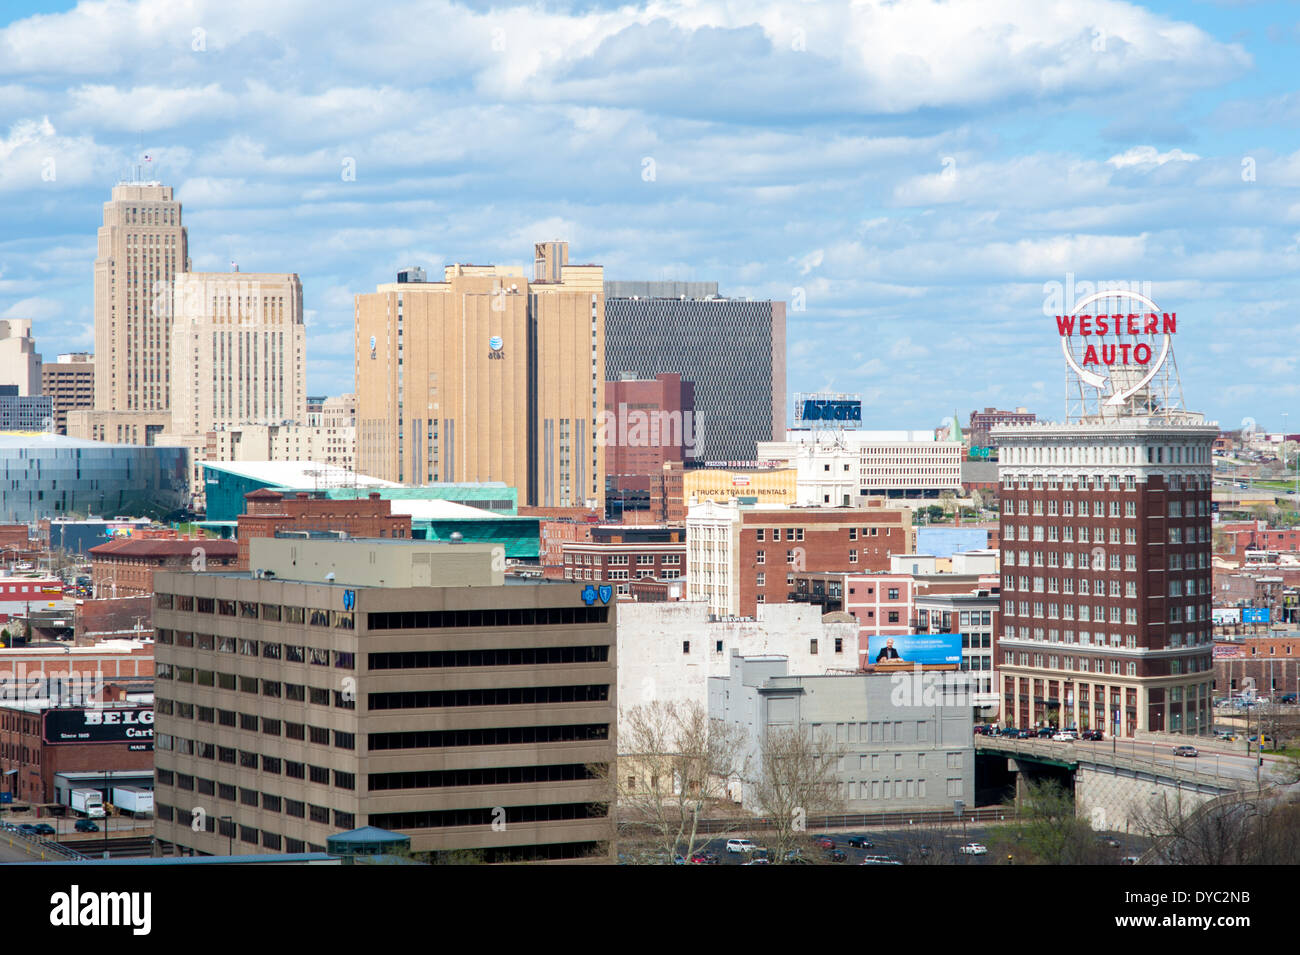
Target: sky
[{"x": 911, "y": 177}]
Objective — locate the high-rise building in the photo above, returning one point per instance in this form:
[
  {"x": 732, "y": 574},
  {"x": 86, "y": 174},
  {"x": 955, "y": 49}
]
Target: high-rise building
[
  {"x": 398, "y": 684},
  {"x": 486, "y": 376},
  {"x": 19, "y": 412},
  {"x": 732, "y": 350},
  {"x": 20, "y": 365},
  {"x": 1106, "y": 569},
  {"x": 645, "y": 425},
  {"x": 142, "y": 248},
  {"x": 70, "y": 384},
  {"x": 238, "y": 351},
  {"x": 982, "y": 422}
]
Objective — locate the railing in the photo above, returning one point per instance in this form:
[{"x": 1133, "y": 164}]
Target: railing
[
  {"x": 859, "y": 820},
  {"x": 37, "y": 845},
  {"x": 1066, "y": 752}
]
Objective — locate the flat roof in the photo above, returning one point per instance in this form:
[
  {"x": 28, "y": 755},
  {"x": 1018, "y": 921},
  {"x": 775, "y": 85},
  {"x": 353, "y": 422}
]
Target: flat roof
[{"x": 298, "y": 474}]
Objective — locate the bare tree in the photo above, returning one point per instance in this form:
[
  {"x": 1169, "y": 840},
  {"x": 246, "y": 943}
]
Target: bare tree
[
  {"x": 796, "y": 779},
  {"x": 1048, "y": 831},
  {"x": 675, "y": 767},
  {"x": 1238, "y": 829}
]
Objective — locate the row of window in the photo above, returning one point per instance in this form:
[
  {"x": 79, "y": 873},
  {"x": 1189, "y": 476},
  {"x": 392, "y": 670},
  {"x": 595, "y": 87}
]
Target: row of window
[
  {"x": 489, "y": 736},
  {"x": 273, "y": 765},
  {"x": 250, "y": 835},
  {"x": 293, "y": 692},
  {"x": 1096, "y": 559},
  {"x": 1087, "y": 482},
  {"x": 251, "y": 610},
  {"x": 499, "y": 696},
  {"x": 289, "y": 652},
  {"x": 501, "y": 815},
  {"x": 253, "y": 724},
  {"x": 513, "y": 617},
  {"x": 522, "y": 656},
  {"x": 494, "y": 776},
  {"x": 1069, "y": 508},
  {"x": 1085, "y": 637}
]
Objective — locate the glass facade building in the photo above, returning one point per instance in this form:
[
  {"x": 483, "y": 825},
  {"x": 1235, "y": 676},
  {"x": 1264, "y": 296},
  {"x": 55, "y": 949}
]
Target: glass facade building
[{"x": 44, "y": 475}]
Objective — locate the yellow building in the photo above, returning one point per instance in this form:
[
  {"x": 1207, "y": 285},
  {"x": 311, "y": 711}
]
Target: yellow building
[
  {"x": 486, "y": 376},
  {"x": 769, "y": 486}
]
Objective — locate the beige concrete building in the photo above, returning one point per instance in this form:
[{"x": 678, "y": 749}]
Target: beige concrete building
[
  {"x": 238, "y": 354},
  {"x": 142, "y": 248},
  {"x": 19, "y": 362},
  {"x": 399, "y": 684},
  {"x": 120, "y": 427},
  {"x": 70, "y": 383},
  {"x": 486, "y": 376}
]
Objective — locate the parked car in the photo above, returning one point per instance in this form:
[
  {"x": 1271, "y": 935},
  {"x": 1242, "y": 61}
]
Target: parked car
[
  {"x": 1129, "y": 860},
  {"x": 1092, "y": 735},
  {"x": 705, "y": 858},
  {"x": 880, "y": 860},
  {"x": 1065, "y": 736},
  {"x": 1185, "y": 751},
  {"x": 974, "y": 849},
  {"x": 740, "y": 845},
  {"x": 837, "y": 855},
  {"x": 758, "y": 862},
  {"x": 1046, "y": 732},
  {"x": 86, "y": 825},
  {"x": 1108, "y": 842},
  {"x": 860, "y": 842},
  {"x": 824, "y": 842}
]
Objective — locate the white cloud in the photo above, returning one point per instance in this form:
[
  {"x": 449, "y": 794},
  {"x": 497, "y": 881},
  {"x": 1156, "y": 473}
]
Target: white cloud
[{"x": 1149, "y": 156}]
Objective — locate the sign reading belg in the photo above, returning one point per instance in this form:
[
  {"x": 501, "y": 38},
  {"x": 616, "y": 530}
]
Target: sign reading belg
[{"x": 130, "y": 725}]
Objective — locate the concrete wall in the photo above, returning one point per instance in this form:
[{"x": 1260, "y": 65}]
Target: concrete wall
[
  {"x": 1117, "y": 800},
  {"x": 653, "y": 666}
]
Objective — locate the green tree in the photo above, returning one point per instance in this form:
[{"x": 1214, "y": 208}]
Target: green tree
[{"x": 1048, "y": 831}]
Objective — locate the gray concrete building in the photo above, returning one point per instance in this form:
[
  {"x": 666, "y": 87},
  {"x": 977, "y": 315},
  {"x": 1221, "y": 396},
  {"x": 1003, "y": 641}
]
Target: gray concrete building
[
  {"x": 401, "y": 684},
  {"x": 900, "y": 742}
]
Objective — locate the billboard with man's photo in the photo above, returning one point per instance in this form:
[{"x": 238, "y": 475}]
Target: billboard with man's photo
[{"x": 924, "y": 648}]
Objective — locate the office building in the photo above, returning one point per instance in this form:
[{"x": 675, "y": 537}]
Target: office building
[
  {"x": 237, "y": 351},
  {"x": 142, "y": 248},
  {"x": 397, "y": 684},
  {"x": 895, "y": 747},
  {"x": 486, "y": 376},
  {"x": 70, "y": 385},
  {"x": 645, "y": 425},
  {"x": 731, "y": 350},
  {"x": 20, "y": 364},
  {"x": 53, "y": 476},
  {"x": 979, "y": 434},
  {"x": 25, "y": 412},
  {"x": 1106, "y": 547},
  {"x": 894, "y": 464},
  {"x": 740, "y": 557}
]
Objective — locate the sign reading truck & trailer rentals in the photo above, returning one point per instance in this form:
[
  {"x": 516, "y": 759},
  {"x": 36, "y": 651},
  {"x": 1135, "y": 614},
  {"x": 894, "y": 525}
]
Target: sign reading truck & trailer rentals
[{"x": 130, "y": 725}]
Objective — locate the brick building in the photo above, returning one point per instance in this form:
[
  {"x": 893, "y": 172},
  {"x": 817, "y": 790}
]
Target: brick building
[
  {"x": 124, "y": 567},
  {"x": 268, "y": 512},
  {"x": 1240, "y": 536},
  {"x": 35, "y": 681},
  {"x": 1272, "y": 662},
  {"x": 979, "y": 433},
  {"x": 1106, "y": 574},
  {"x": 739, "y": 557},
  {"x": 619, "y": 563},
  {"x": 554, "y": 535},
  {"x": 647, "y": 423}
]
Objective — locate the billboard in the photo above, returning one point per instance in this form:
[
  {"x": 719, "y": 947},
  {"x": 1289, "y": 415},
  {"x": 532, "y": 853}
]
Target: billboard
[
  {"x": 1257, "y": 615},
  {"x": 822, "y": 409},
  {"x": 1222, "y": 652},
  {"x": 76, "y": 724},
  {"x": 1225, "y": 615},
  {"x": 923, "y": 648}
]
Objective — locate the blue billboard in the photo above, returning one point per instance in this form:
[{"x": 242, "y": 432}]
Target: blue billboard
[
  {"x": 1259, "y": 615},
  {"x": 923, "y": 648},
  {"x": 822, "y": 409}
]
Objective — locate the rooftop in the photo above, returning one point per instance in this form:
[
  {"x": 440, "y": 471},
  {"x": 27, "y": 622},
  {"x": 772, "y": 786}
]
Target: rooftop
[{"x": 297, "y": 474}]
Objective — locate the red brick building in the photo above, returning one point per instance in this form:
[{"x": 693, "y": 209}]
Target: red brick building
[
  {"x": 29, "y": 737},
  {"x": 554, "y": 535},
  {"x": 647, "y": 424},
  {"x": 1272, "y": 662},
  {"x": 267, "y": 512},
  {"x": 621, "y": 563},
  {"x": 124, "y": 567},
  {"x": 1106, "y": 571},
  {"x": 1257, "y": 535},
  {"x": 743, "y": 556}
]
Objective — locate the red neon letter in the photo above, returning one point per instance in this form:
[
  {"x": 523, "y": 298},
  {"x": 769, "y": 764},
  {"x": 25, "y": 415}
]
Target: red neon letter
[
  {"x": 1090, "y": 355},
  {"x": 1171, "y": 322},
  {"x": 1132, "y": 324},
  {"x": 1141, "y": 353},
  {"x": 1152, "y": 319},
  {"x": 1065, "y": 324},
  {"x": 1084, "y": 327}
]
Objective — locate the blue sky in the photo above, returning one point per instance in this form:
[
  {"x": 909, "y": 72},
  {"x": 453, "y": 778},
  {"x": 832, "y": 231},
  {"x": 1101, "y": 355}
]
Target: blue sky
[{"x": 919, "y": 170}]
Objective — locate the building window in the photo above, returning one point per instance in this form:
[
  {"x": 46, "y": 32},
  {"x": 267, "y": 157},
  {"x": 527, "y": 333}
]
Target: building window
[{"x": 686, "y": 646}]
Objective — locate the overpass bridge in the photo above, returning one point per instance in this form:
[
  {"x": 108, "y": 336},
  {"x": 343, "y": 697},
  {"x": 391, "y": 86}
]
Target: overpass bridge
[{"x": 1115, "y": 788}]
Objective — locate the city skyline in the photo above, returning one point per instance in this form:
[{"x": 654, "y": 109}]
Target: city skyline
[{"x": 912, "y": 222}]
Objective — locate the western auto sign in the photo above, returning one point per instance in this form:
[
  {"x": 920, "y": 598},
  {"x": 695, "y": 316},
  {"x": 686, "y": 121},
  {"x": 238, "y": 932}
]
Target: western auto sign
[
  {"x": 130, "y": 725},
  {"x": 1138, "y": 337}
]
